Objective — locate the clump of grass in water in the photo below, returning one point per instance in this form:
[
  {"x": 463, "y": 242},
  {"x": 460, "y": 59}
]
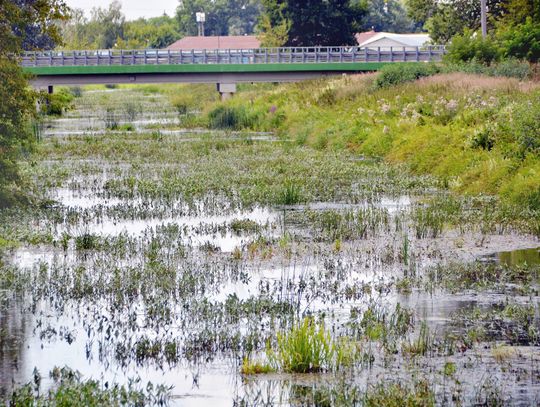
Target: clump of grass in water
[
  {"x": 396, "y": 394},
  {"x": 308, "y": 347},
  {"x": 290, "y": 194},
  {"x": 231, "y": 118},
  {"x": 86, "y": 241},
  {"x": 254, "y": 367},
  {"x": 422, "y": 345},
  {"x": 70, "y": 390}
]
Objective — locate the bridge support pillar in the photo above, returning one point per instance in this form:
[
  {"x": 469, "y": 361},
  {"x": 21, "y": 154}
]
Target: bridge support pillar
[{"x": 226, "y": 90}]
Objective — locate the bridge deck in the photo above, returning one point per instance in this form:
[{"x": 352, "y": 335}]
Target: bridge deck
[
  {"x": 232, "y": 57},
  {"x": 228, "y": 66}
]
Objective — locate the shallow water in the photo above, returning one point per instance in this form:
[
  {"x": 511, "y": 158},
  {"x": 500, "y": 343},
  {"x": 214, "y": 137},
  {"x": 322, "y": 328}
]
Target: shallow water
[
  {"x": 218, "y": 279},
  {"x": 520, "y": 257}
]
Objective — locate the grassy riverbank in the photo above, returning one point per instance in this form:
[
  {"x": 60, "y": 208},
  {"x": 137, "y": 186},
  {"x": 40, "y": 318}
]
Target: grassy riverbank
[{"x": 477, "y": 134}]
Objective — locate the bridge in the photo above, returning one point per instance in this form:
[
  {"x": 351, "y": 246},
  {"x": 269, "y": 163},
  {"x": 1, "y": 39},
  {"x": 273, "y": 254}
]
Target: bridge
[{"x": 226, "y": 68}]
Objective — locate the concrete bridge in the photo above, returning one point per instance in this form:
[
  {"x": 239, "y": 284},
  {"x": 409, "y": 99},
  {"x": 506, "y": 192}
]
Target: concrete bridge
[{"x": 226, "y": 68}]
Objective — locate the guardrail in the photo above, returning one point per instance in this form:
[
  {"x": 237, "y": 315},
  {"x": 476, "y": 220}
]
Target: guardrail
[{"x": 233, "y": 56}]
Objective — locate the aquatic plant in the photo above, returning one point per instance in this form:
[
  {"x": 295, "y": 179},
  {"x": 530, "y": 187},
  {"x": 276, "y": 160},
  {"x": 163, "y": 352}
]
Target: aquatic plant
[
  {"x": 395, "y": 394},
  {"x": 69, "y": 389},
  {"x": 308, "y": 347}
]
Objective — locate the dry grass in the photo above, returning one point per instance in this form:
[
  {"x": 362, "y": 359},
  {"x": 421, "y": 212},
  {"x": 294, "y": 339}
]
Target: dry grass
[
  {"x": 503, "y": 353},
  {"x": 463, "y": 82}
]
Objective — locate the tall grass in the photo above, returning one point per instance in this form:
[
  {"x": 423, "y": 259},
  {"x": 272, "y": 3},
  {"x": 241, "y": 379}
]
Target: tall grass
[
  {"x": 308, "y": 347},
  {"x": 230, "y": 118}
]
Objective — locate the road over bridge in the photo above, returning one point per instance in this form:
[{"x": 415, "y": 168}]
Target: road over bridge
[{"x": 226, "y": 68}]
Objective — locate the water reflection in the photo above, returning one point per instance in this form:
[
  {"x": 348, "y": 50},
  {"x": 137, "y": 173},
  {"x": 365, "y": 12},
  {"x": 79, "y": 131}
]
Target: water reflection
[
  {"x": 13, "y": 332},
  {"x": 520, "y": 257}
]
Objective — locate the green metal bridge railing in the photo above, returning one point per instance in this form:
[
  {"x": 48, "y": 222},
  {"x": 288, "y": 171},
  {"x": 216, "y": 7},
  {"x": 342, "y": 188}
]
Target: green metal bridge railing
[{"x": 289, "y": 55}]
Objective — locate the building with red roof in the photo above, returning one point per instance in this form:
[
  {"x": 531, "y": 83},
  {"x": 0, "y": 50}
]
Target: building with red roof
[{"x": 218, "y": 42}]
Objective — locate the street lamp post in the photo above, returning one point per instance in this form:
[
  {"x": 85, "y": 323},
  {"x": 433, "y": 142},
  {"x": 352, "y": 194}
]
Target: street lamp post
[
  {"x": 201, "y": 18},
  {"x": 483, "y": 18}
]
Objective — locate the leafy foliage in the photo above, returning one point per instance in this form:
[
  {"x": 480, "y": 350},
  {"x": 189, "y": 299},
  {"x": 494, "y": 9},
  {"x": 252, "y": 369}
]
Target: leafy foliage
[
  {"x": 25, "y": 25},
  {"x": 30, "y": 24},
  {"x": 472, "y": 47},
  {"x": 223, "y": 17},
  {"x": 108, "y": 28},
  {"x": 230, "y": 117},
  {"x": 523, "y": 41},
  {"x": 394, "y": 74},
  {"x": 69, "y": 390},
  {"x": 314, "y": 22},
  {"x": 387, "y": 15}
]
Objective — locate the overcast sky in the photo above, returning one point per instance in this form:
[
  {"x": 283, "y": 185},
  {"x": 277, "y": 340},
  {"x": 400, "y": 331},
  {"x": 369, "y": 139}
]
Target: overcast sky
[{"x": 132, "y": 8}]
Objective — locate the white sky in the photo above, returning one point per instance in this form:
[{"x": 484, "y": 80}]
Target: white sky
[{"x": 132, "y": 9}]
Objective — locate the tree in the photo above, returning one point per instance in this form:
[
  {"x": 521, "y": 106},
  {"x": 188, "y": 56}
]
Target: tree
[
  {"x": 223, "y": 17},
  {"x": 518, "y": 11},
  {"x": 156, "y": 32},
  {"x": 25, "y": 25},
  {"x": 314, "y": 22},
  {"x": 444, "y": 19},
  {"x": 387, "y": 15},
  {"x": 109, "y": 24},
  {"x": 30, "y": 24},
  {"x": 420, "y": 10},
  {"x": 74, "y": 30},
  {"x": 523, "y": 41}
]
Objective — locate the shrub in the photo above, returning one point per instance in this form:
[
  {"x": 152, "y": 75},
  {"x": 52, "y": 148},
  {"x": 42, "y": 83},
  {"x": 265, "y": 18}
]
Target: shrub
[
  {"x": 394, "y": 74},
  {"x": 511, "y": 68},
  {"x": 523, "y": 41},
  {"x": 470, "y": 46},
  {"x": 57, "y": 103},
  {"x": 231, "y": 117},
  {"x": 76, "y": 91},
  {"x": 521, "y": 128},
  {"x": 184, "y": 101}
]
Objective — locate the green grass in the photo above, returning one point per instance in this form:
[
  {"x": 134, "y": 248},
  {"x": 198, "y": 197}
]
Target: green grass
[
  {"x": 393, "y": 394},
  {"x": 475, "y": 133},
  {"x": 308, "y": 347},
  {"x": 70, "y": 389}
]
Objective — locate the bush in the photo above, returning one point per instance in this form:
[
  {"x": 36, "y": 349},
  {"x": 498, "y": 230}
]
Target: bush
[
  {"x": 231, "y": 118},
  {"x": 523, "y": 41},
  {"x": 394, "y": 74},
  {"x": 184, "y": 102},
  {"x": 525, "y": 126},
  {"x": 57, "y": 103},
  {"x": 470, "y": 46},
  {"x": 510, "y": 68},
  {"x": 76, "y": 91}
]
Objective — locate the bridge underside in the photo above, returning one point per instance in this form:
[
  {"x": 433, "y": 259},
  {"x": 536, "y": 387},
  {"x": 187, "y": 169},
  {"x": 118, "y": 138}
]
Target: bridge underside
[
  {"x": 191, "y": 73},
  {"x": 43, "y": 81}
]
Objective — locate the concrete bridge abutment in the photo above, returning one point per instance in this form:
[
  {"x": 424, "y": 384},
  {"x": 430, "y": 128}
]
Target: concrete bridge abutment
[{"x": 226, "y": 90}]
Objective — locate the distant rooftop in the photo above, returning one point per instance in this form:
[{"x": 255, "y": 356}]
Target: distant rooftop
[
  {"x": 411, "y": 40},
  {"x": 221, "y": 42},
  {"x": 363, "y": 37}
]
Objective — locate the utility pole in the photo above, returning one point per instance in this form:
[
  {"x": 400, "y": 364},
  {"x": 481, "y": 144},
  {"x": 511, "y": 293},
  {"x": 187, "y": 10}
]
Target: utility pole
[
  {"x": 201, "y": 18},
  {"x": 483, "y": 18}
]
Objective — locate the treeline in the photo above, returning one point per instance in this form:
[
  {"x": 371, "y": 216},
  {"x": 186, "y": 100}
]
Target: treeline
[
  {"x": 513, "y": 28},
  {"x": 513, "y": 25},
  {"x": 28, "y": 25},
  {"x": 312, "y": 22}
]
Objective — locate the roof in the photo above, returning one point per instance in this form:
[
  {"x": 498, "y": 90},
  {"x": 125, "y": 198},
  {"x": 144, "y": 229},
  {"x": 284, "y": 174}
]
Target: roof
[
  {"x": 411, "y": 40},
  {"x": 363, "y": 37},
  {"x": 221, "y": 42}
]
